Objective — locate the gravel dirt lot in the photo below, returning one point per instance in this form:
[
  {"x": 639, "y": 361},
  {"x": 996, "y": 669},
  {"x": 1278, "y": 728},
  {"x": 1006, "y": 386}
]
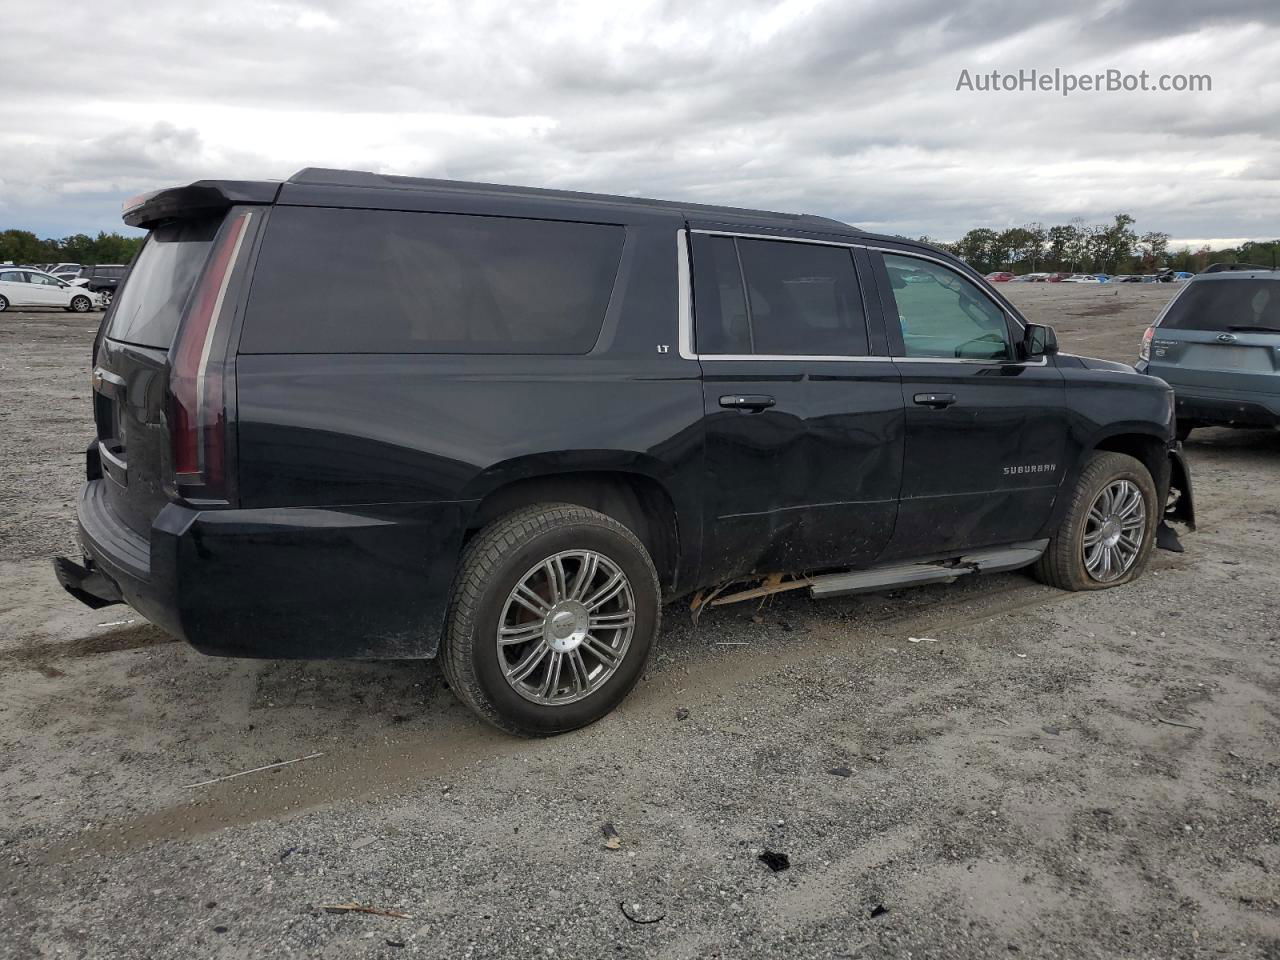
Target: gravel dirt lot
[{"x": 1058, "y": 775}]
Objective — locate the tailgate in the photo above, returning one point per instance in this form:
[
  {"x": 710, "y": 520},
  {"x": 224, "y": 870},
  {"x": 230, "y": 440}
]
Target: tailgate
[
  {"x": 1219, "y": 360},
  {"x": 131, "y": 369},
  {"x": 129, "y": 384},
  {"x": 1221, "y": 332}
]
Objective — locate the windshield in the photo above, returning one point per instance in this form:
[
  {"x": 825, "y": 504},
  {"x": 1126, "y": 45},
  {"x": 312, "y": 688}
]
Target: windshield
[
  {"x": 150, "y": 304},
  {"x": 1222, "y": 305}
]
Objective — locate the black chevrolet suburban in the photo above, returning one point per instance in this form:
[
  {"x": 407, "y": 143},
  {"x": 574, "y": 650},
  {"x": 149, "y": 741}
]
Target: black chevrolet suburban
[{"x": 355, "y": 415}]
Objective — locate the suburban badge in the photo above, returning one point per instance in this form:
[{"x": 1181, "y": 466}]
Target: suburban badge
[{"x": 1030, "y": 468}]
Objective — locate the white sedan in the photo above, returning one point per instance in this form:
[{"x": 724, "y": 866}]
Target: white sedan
[{"x": 24, "y": 287}]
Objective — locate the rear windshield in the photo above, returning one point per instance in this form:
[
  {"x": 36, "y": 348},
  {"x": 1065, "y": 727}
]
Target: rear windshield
[
  {"x": 150, "y": 305},
  {"x": 1226, "y": 305},
  {"x": 377, "y": 281}
]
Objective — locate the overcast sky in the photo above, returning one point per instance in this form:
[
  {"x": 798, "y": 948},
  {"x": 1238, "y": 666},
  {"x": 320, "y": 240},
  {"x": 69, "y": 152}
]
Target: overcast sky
[{"x": 846, "y": 109}]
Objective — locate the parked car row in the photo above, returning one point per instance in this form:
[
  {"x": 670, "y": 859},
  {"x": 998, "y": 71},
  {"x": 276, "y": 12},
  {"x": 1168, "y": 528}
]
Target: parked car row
[
  {"x": 99, "y": 280},
  {"x": 28, "y": 287},
  {"x": 1168, "y": 276}
]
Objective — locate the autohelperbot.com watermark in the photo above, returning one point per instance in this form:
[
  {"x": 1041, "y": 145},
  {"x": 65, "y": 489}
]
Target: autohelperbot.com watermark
[{"x": 1066, "y": 82}]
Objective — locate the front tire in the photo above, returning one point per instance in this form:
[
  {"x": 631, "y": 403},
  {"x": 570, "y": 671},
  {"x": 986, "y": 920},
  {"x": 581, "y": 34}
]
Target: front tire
[
  {"x": 81, "y": 304},
  {"x": 1107, "y": 535},
  {"x": 554, "y": 611}
]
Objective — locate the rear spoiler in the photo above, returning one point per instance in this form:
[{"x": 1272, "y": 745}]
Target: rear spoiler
[{"x": 202, "y": 198}]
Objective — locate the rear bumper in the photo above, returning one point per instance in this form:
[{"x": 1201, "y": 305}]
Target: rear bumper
[
  {"x": 1243, "y": 410},
  {"x": 1218, "y": 405},
  {"x": 307, "y": 583}
]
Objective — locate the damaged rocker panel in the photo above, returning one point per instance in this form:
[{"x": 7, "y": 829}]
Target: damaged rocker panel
[{"x": 994, "y": 560}]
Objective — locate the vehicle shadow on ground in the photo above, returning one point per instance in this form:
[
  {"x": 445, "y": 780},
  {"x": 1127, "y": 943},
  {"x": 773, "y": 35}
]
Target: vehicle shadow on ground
[
  {"x": 1253, "y": 446},
  {"x": 131, "y": 713}
]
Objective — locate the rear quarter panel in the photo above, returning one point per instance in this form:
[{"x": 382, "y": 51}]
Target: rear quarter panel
[{"x": 325, "y": 430}]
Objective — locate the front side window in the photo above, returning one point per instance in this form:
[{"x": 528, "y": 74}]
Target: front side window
[
  {"x": 776, "y": 297},
  {"x": 945, "y": 315},
  {"x": 41, "y": 278}
]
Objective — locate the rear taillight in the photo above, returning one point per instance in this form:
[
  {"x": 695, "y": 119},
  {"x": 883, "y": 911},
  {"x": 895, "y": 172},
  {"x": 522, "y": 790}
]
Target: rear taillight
[
  {"x": 1144, "y": 351},
  {"x": 197, "y": 401}
]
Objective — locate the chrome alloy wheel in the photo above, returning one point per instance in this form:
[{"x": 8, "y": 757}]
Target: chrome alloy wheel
[
  {"x": 1113, "y": 531},
  {"x": 566, "y": 627}
]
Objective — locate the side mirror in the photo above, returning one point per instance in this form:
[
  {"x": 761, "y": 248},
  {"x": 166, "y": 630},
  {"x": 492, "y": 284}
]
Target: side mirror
[{"x": 1039, "y": 341}]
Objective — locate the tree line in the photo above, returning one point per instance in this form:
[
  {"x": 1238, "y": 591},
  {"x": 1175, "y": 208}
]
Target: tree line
[
  {"x": 1079, "y": 247},
  {"x": 23, "y": 246},
  {"x": 1076, "y": 247}
]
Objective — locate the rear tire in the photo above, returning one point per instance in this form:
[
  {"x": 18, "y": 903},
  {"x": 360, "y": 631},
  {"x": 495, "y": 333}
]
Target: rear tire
[
  {"x": 1103, "y": 509},
  {"x": 81, "y": 304},
  {"x": 529, "y": 645},
  {"x": 4, "y": 304}
]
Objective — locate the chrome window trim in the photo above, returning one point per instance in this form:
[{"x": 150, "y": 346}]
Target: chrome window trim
[
  {"x": 789, "y": 356},
  {"x": 686, "y": 319},
  {"x": 766, "y": 236},
  {"x": 684, "y": 275},
  {"x": 1042, "y": 362},
  {"x": 684, "y": 298}
]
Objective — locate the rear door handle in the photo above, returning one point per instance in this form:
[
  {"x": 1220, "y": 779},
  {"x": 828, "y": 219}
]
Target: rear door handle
[
  {"x": 935, "y": 400},
  {"x": 747, "y": 401}
]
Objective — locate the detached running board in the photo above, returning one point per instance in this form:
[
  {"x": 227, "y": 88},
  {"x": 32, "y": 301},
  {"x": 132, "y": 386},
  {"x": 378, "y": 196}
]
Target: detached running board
[{"x": 995, "y": 560}]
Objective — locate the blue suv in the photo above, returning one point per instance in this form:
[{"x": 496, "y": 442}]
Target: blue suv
[{"x": 1217, "y": 343}]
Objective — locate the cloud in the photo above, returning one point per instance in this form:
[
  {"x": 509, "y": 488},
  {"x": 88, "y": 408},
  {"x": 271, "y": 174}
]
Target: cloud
[{"x": 843, "y": 109}]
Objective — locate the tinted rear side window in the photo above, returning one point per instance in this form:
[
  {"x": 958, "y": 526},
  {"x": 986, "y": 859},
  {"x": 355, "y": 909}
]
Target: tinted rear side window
[
  {"x": 801, "y": 299},
  {"x": 376, "y": 281},
  {"x": 149, "y": 308},
  {"x": 720, "y": 304},
  {"x": 1221, "y": 305}
]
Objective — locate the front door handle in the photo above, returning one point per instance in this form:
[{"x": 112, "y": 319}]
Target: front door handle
[
  {"x": 747, "y": 401},
  {"x": 935, "y": 400}
]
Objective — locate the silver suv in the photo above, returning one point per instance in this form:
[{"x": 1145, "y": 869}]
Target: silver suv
[{"x": 1217, "y": 343}]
